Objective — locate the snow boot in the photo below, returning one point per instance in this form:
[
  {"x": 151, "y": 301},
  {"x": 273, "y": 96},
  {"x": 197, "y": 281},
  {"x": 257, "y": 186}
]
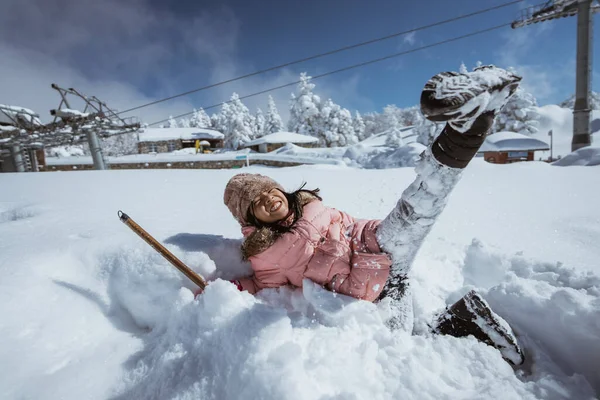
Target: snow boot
[
  {"x": 460, "y": 98},
  {"x": 471, "y": 315}
]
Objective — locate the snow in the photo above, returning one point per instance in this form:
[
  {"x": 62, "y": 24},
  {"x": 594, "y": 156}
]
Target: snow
[
  {"x": 560, "y": 121},
  {"x": 161, "y": 134},
  {"x": 586, "y": 156},
  {"x": 189, "y": 155},
  {"x": 380, "y": 139},
  {"x": 16, "y": 112},
  {"x": 91, "y": 311},
  {"x": 512, "y": 141},
  {"x": 282, "y": 137},
  {"x": 70, "y": 113}
]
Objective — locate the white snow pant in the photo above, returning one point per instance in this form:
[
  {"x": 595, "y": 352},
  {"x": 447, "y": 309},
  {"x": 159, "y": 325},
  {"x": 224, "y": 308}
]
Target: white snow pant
[{"x": 403, "y": 231}]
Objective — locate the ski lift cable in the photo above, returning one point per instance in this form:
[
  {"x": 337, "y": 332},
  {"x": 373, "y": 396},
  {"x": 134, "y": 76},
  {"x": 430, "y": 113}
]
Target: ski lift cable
[
  {"x": 345, "y": 48},
  {"x": 362, "y": 64}
]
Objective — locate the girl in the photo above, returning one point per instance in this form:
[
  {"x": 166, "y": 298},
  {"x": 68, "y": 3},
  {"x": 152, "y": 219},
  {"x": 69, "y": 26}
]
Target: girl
[{"x": 293, "y": 236}]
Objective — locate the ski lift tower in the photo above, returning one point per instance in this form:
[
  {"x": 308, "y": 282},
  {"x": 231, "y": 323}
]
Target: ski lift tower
[
  {"x": 68, "y": 127},
  {"x": 584, "y": 9}
]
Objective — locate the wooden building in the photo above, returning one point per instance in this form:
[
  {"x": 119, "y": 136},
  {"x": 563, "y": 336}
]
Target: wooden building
[
  {"x": 276, "y": 140},
  {"x": 510, "y": 147},
  {"x": 166, "y": 140}
]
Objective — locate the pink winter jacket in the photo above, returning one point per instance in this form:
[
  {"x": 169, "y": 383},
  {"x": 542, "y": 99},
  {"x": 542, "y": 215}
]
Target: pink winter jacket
[{"x": 328, "y": 247}]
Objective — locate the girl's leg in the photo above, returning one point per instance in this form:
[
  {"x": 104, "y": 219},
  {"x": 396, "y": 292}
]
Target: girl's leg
[{"x": 468, "y": 103}]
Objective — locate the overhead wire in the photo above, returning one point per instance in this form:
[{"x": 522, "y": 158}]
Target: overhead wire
[
  {"x": 362, "y": 64},
  {"x": 316, "y": 56}
]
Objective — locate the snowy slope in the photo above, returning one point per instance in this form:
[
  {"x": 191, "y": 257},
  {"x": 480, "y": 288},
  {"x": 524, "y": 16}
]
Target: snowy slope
[
  {"x": 560, "y": 121},
  {"x": 89, "y": 311}
]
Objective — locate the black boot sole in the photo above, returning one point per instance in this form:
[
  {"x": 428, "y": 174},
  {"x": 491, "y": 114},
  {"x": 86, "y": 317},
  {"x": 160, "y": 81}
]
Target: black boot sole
[
  {"x": 446, "y": 93},
  {"x": 459, "y": 321}
]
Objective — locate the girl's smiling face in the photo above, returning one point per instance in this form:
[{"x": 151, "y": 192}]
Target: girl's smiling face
[{"x": 269, "y": 207}]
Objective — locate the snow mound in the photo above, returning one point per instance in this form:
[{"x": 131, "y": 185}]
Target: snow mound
[
  {"x": 586, "y": 156},
  {"x": 90, "y": 311},
  {"x": 383, "y": 157}
]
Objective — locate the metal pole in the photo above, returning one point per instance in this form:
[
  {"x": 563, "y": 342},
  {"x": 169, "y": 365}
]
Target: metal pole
[
  {"x": 96, "y": 150},
  {"x": 581, "y": 111},
  {"x": 551, "y": 143},
  {"x": 17, "y": 156}
]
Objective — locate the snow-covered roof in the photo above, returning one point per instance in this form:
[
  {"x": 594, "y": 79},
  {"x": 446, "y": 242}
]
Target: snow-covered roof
[
  {"x": 161, "y": 134},
  {"x": 9, "y": 113},
  {"x": 283, "y": 137},
  {"x": 512, "y": 141}
]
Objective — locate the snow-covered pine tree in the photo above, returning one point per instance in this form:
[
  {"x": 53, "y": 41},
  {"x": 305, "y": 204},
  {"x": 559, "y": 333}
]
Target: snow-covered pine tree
[
  {"x": 372, "y": 124},
  {"x": 305, "y": 116},
  {"x": 184, "y": 123},
  {"x": 215, "y": 122},
  {"x": 172, "y": 123},
  {"x": 389, "y": 118},
  {"x": 426, "y": 130},
  {"x": 463, "y": 68},
  {"x": 394, "y": 138},
  {"x": 259, "y": 124},
  {"x": 238, "y": 123},
  {"x": 519, "y": 115},
  {"x": 273, "y": 121},
  {"x": 200, "y": 119},
  {"x": 359, "y": 127},
  {"x": 337, "y": 129},
  {"x": 194, "y": 119},
  {"x": 203, "y": 119}
]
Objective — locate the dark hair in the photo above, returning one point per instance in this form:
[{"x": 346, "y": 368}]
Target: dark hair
[{"x": 294, "y": 204}]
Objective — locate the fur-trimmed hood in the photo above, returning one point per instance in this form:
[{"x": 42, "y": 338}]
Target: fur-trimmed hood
[{"x": 260, "y": 239}]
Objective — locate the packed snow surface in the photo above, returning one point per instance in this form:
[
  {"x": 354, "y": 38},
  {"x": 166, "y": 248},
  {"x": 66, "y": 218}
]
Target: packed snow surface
[
  {"x": 283, "y": 137},
  {"x": 90, "y": 311}
]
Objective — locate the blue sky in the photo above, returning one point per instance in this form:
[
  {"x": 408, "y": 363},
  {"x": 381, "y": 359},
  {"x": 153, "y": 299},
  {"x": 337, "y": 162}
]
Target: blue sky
[{"x": 131, "y": 52}]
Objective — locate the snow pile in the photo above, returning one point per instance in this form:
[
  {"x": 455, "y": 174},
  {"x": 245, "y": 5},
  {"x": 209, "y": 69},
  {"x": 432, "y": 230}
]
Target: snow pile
[
  {"x": 383, "y": 157},
  {"x": 90, "y": 311},
  {"x": 586, "y": 156},
  {"x": 65, "y": 151}
]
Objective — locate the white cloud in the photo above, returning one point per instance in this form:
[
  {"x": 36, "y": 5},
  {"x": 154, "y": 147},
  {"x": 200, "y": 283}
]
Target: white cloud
[
  {"x": 131, "y": 53},
  {"x": 543, "y": 79},
  {"x": 410, "y": 38}
]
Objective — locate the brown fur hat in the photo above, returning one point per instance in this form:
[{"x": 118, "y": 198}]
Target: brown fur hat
[{"x": 241, "y": 191}]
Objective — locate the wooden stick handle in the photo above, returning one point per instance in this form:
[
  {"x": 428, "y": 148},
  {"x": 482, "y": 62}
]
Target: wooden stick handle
[{"x": 177, "y": 263}]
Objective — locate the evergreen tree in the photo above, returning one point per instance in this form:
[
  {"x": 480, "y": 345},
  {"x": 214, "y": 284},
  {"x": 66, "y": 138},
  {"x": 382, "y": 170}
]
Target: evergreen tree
[
  {"x": 238, "y": 123},
  {"x": 337, "y": 129},
  {"x": 519, "y": 115},
  {"x": 273, "y": 121},
  {"x": 172, "y": 123},
  {"x": 359, "y": 127},
  {"x": 200, "y": 119},
  {"x": 259, "y": 124},
  {"x": 305, "y": 109}
]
